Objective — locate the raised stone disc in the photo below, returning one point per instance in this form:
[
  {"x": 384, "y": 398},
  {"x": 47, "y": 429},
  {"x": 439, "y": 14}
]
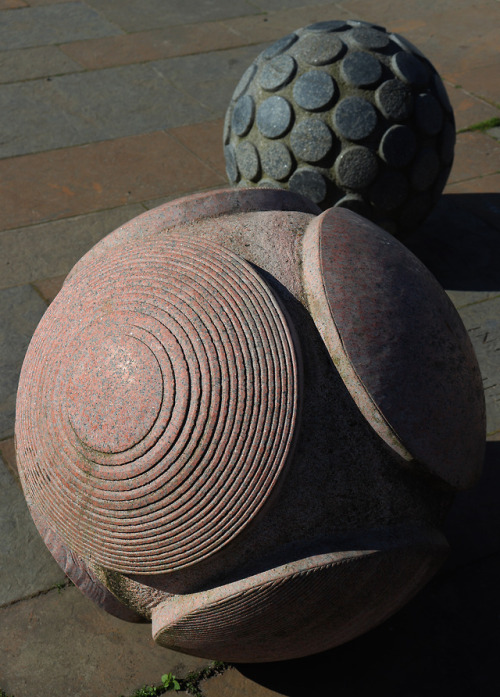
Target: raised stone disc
[
  {"x": 369, "y": 37},
  {"x": 274, "y": 117},
  {"x": 311, "y": 140},
  {"x": 277, "y": 73},
  {"x": 354, "y": 118},
  {"x": 277, "y": 160},
  {"x": 317, "y": 49},
  {"x": 395, "y": 100},
  {"x": 361, "y": 69},
  {"x": 115, "y": 393},
  {"x": 314, "y": 90},
  {"x": 398, "y": 146},
  {"x": 279, "y": 46},
  {"x": 330, "y": 25},
  {"x": 243, "y": 115},
  {"x": 308, "y": 183},
  {"x": 356, "y": 167},
  {"x": 428, "y": 114},
  {"x": 186, "y": 357},
  {"x": 409, "y": 68}
]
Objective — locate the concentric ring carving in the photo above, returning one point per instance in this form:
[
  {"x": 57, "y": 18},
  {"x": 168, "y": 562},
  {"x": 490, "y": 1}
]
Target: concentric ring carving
[{"x": 162, "y": 404}]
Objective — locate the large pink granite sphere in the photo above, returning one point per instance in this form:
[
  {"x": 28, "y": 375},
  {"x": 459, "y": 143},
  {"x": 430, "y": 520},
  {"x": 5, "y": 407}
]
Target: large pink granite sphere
[{"x": 244, "y": 421}]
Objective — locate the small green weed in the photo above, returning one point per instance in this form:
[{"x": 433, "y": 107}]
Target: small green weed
[
  {"x": 170, "y": 682},
  {"x": 188, "y": 684},
  {"x": 148, "y": 691}
]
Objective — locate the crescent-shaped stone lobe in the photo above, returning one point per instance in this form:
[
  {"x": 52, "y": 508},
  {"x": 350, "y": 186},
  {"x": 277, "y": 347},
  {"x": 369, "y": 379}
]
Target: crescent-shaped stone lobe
[
  {"x": 399, "y": 344},
  {"x": 157, "y": 405},
  {"x": 307, "y": 605}
]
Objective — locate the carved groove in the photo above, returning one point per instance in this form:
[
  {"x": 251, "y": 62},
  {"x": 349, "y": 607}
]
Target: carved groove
[{"x": 200, "y": 450}]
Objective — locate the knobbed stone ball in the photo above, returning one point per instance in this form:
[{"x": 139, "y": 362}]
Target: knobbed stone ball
[
  {"x": 243, "y": 420},
  {"x": 349, "y": 115}
]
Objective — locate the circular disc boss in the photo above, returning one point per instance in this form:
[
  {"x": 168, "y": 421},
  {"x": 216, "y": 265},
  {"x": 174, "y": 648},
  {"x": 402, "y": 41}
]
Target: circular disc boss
[{"x": 157, "y": 405}]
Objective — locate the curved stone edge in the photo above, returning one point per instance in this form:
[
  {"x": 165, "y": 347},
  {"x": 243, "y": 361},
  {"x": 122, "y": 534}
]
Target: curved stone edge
[
  {"x": 182, "y": 211},
  {"x": 400, "y": 347},
  {"x": 81, "y": 575},
  {"x": 319, "y": 307},
  {"x": 310, "y": 604}
]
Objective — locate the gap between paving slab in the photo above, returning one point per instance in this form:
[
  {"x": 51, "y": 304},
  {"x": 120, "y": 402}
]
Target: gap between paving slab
[
  {"x": 78, "y": 180},
  {"x": 61, "y": 644},
  {"x": 51, "y": 249},
  {"x": 26, "y": 566}
]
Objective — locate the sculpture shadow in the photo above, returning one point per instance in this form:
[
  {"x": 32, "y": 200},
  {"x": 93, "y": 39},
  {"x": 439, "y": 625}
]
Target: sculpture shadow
[
  {"x": 445, "y": 641},
  {"x": 460, "y": 242}
]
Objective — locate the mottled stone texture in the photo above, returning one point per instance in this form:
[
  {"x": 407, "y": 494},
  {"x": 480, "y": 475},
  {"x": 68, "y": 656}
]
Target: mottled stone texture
[
  {"x": 349, "y": 115},
  {"x": 244, "y": 421}
]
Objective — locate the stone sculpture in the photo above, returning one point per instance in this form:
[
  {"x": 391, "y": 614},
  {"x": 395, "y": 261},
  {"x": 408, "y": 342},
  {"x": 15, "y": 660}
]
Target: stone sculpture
[
  {"x": 346, "y": 114},
  {"x": 244, "y": 421}
]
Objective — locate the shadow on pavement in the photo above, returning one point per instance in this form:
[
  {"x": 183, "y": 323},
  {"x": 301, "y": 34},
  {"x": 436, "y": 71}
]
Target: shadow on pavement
[
  {"x": 445, "y": 642},
  {"x": 460, "y": 242}
]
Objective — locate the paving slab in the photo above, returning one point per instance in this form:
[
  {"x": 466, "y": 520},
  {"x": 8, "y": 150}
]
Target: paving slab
[
  {"x": 467, "y": 41},
  {"x": 476, "y": 155},
  {"x": 26, "y": 566},
  {"x": 468, "y": 109},
  {"x": 51, "y": 249},
  {"x": 232, "y": 683},
  {"x": 151, "y": 14},
  {"x": 204, "y": 140},
  {"x": 481, "y": 81},
  {"x": 188, "y": 39},
  {"x": 21, "y": 309},
  {"x": 152, "y": 45},
  {"x": 481, "y": 197},
  {"x": 53, "y": 24},
  {"x": 65, "y": 183},
  {"x": 208, "y": 77},
  {"x": 11, "y": 4},
  {"x": 31, "y": 63},
  {"x": 273, "y": 25},
  {"x": 8, "y": 455},
  {"x": 273, "y": 5},
  {"x": 73, "y": 109},
  {"x": 460, "y": 244},
  {"x": 62, "y": 644},
  {"x": 482, "y": 321},
  {"x": 49, "y": 287},
  {"x": 39, "y": 3}
]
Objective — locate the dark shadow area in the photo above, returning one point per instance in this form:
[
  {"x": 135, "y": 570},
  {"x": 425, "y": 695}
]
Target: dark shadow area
[
  {"x": 473, "y": 524},
  {"x": 444, "y": 643},
  {"x": 460, "y": 242}
]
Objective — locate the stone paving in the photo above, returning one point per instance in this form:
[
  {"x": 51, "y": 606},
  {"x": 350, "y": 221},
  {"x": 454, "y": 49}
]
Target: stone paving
[{"x": 110, "y": 107}]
